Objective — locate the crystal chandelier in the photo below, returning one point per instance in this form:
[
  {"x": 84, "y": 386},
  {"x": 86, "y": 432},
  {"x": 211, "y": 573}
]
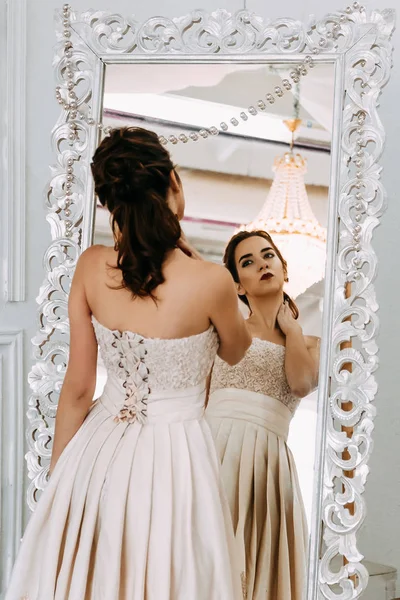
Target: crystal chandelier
[{"x": 287, "y": 216}]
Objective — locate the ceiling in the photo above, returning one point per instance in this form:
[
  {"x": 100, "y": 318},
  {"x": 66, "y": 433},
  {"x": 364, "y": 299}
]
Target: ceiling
[{"x": 203, "y": 94}]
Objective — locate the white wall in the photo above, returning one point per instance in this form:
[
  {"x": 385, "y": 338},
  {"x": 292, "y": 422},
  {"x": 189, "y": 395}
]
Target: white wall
[{"x": 381, "y": 533}]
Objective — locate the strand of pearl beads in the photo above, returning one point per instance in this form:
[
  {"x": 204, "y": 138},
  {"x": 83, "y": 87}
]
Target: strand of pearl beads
[{"x": 71, "y": 105}]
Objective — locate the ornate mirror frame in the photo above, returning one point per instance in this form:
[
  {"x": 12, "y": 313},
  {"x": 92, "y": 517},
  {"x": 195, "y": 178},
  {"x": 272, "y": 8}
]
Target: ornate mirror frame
[{"x": 358, "y": 43}]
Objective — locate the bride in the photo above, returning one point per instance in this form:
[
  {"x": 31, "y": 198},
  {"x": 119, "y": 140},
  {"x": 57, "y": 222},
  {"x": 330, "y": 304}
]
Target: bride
[
  {"x": 249, "y": 411},
  {"x": 134, "y": 509}
]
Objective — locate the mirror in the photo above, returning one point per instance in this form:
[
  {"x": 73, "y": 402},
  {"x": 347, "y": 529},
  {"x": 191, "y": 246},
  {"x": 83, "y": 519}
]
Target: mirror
[
  {"x": 272, "y": 126},
  {"x": 233, "y": 179},
  {"x": 227, "y": 179}
]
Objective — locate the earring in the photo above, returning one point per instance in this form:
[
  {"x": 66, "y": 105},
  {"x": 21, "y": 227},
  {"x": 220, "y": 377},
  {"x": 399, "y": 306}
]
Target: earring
[{"x": 286, "y": 279}]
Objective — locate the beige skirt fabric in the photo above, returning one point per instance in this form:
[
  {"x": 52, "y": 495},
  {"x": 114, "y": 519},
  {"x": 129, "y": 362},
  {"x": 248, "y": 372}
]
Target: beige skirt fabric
[
  {"x": 132, "y": 511},
  {"x": 259, "y": 474}
]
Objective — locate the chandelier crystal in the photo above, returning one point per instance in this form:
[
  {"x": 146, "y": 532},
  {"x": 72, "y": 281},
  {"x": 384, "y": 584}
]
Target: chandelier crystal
[{"x": 288, "y": 217}]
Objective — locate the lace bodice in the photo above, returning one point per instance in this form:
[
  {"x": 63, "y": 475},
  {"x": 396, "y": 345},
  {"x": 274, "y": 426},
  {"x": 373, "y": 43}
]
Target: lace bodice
[
  {"x": 262, "y": 370},
  {"x": 165, "y": 363},
  {"x": 140, "y": 367}
]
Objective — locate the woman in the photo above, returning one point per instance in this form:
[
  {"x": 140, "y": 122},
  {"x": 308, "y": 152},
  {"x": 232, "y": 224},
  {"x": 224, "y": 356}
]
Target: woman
[
  {"x": 249, "y": 410},
  {"x": 134, "y": 509}
]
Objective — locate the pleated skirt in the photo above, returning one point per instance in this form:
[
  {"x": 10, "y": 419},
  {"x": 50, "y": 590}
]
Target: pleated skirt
[
  {"x": 260, "y": 479},
  {"x": 131, "y": 512}
]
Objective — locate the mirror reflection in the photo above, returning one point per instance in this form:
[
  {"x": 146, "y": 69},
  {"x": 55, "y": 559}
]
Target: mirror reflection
[{"x": 256, "y": 199}]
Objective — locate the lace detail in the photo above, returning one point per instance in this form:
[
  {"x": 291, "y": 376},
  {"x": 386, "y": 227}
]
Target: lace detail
[
  {"x": 147, "y": 365},
  {"x": 134, "y": 375},
  {"x": 262, "y": 370}
]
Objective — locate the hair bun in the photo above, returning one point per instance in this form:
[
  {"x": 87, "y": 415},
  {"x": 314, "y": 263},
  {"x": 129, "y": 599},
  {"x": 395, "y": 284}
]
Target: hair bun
[
  {"x": 128, "y": 181},
  {"x": 129, "y": 166}
]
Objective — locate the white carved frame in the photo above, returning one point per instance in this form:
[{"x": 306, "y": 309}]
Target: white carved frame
[{"x": 359, "y": 44}]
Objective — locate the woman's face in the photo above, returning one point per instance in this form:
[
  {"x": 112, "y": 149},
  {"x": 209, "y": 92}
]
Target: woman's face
[{"x": 259, "y": 268}]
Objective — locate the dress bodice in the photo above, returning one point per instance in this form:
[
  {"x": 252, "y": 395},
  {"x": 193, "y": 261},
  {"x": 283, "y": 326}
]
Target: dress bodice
[
  {"x": 141, "y": 369},
  {"x": 169, "y": 363},
  {"x": 262, "y": 370}
]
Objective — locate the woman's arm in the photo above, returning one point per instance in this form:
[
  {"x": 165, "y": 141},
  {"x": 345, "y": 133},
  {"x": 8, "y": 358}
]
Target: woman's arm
[
  {"x": 80, "y": 379},
  {"x": 225, "y": 315},
  {"x": 302, "y": 355}
]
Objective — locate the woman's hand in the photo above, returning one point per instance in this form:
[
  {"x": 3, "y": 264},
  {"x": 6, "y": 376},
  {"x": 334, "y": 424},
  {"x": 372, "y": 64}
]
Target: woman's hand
[
  {"x": 286, "y": 320},
  {"x": 188, "y": 249}
]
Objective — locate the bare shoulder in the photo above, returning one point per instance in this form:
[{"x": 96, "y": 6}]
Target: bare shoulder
[
  {"x": 94, "y": 256},
  {"x": 93, "y": 253},
  {"x": 212, "y": 283},
  {"x": 216, "y": 275},
  {"x": 312, "y": 341},
  {"x": 92, "y": 261}
]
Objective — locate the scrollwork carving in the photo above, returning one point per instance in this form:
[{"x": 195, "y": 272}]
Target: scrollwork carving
[{"x": 361, "y": 203}]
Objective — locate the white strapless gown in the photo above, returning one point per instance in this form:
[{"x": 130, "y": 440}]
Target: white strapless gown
[
  {"x": 249, "y": 411},
  {"x": 135, "y": 509}
]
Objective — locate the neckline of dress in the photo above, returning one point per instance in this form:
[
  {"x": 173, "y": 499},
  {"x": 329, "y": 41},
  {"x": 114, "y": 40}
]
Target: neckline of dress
[
  {"x": 150, "y": 339},
  {"x": 269, "y": 342}
]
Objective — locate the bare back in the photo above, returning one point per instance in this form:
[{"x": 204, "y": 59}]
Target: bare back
[{"x": 184, "y": 300}]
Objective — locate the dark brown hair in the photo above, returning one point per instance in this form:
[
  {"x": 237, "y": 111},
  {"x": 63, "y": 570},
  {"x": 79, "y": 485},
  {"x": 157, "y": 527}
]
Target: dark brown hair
[
  {"x": 230, "y": 262},
  {"x": 131, "y": 171}
]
